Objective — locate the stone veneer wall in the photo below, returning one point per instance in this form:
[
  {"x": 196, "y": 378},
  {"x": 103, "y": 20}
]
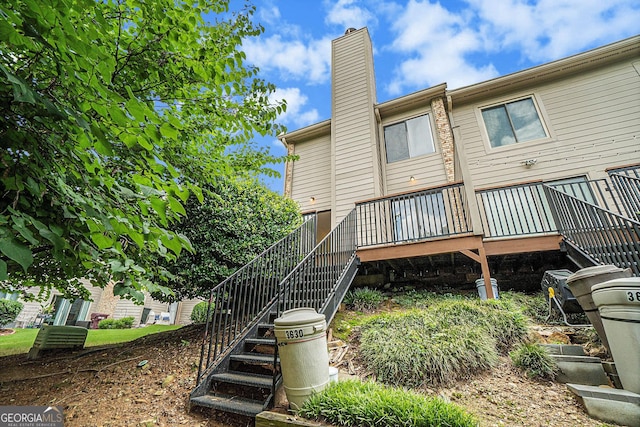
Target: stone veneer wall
[{"x": 445, "y": 136}]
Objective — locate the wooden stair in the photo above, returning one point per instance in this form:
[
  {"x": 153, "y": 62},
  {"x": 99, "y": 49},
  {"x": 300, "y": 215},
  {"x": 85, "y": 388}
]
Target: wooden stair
[{"x": 246, "y": 386}]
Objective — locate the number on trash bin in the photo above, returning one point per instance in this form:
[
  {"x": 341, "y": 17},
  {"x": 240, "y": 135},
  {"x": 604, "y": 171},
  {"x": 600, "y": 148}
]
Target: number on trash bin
[
  {"x": 633, "y": 297},
  {"x": 294, "y": 333}
]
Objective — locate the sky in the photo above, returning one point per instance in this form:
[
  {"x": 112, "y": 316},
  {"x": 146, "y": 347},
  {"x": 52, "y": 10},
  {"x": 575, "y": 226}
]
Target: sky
[{"x": 419, "y": 44}]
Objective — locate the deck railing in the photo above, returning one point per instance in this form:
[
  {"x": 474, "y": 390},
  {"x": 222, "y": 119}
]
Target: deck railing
[
  {"x": 435, "y": 212},
  {"x": 525, "y": 209},
  {"x": 243, "y": 298},
  {"x": 627, "y": 188},
  {"x": 608, "y": 237}
]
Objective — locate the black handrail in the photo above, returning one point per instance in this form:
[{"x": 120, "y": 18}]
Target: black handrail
[
  {"x": 606, "y": 236},
  {"x": 242, "y": 299},
  {"x": 628, "y": 189}
]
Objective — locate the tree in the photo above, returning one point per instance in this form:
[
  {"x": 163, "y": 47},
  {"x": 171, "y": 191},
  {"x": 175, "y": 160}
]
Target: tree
[
  {"x": 238, "y": 219},
  {"x": 111, "y": 114}
]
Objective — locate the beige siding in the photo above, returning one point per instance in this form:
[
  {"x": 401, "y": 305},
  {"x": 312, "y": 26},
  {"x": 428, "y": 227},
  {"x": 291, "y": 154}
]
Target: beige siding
[
  {"x": 594, "y": 123},
  {"x": 312, "y": 174},
  {"x": 354, "y": 152},
  {"x": 184, "y": 311},
  {"x": 126, "y": 308}
]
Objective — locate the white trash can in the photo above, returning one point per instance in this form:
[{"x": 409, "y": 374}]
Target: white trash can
[
  {"x": 580, "y": 284},
  {"x": 482, "y": 289},
  {"x": 304, "y": 358},
  {"x": 618, "y": 302}
]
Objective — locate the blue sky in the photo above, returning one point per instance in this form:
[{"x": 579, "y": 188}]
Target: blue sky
[{"x": 418, "y": 44}]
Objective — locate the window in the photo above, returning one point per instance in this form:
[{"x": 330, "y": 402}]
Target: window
[
  {"x": 408, "y": 139},
  {"x": 513, "y": 122}
]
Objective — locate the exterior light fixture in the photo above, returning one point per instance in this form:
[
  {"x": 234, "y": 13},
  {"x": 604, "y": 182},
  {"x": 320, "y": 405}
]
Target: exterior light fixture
[
  {"x": 312, "y": 199},
  {"x": 412, "y": 179}
]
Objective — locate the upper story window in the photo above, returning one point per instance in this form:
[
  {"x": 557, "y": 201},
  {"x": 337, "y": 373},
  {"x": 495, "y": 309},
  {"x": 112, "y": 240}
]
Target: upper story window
[
  {"x": 408, "y": 139},
  {"x": 513, "y": 122}
]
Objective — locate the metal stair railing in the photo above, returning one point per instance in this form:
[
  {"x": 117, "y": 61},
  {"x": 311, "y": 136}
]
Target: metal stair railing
[
  {"x": 607, "y": 237},
  {"x": 243, "y": 299},
  {"x": 628, "y": 189},
  {"x": 314, "y": 282}
]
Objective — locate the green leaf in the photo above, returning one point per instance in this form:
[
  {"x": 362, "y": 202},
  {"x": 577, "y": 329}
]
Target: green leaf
[
  {"x": 172, "y": 243},
  {"x": 3, "y": 270},
  {"x": 168, "y": 131},
  {"x": 17, "y": 252},
  {"x": 160, "y": 207},
  {"x": 176, "y": 206},
  {"x": 102, "y": 241}
]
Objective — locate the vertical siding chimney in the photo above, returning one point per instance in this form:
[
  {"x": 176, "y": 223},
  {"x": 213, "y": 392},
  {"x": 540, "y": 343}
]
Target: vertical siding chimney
[{"x": 354, "y": 148}]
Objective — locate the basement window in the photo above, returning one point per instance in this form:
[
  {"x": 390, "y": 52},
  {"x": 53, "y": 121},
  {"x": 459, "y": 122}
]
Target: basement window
[
  {"x": 408, "y": 139},
  {"x": 513, "y": 122}
]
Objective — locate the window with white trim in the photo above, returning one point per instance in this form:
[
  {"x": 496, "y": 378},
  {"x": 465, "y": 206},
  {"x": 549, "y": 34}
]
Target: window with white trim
[
  {"x": 513, "y": 122},
  {"x": 408, "y": 139}
]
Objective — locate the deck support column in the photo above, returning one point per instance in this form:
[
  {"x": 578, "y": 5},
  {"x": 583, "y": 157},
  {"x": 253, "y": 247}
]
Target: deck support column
[{"x": 481, "y": 257}]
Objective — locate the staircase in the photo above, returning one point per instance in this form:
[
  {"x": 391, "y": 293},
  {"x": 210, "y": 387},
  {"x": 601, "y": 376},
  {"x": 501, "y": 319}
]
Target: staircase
[
  {"x": 597, "y": 235},
  {"x": 239, "y": 369}
]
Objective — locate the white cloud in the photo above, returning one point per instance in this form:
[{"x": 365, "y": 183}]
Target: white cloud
[
  {"x": 348, "y": 14},
  {"x": 435, "y": 42},
  {"x": 296, "y": 102},
  {"x": 292, "y": 59},
  {"x": 550, "y": 29}
]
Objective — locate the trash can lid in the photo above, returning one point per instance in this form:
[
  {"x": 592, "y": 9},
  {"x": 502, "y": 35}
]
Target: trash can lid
[
  {"x": 299, "y": 316},
  {"x": 625, "y": 282},
  {"x": 596, "y": 270}
]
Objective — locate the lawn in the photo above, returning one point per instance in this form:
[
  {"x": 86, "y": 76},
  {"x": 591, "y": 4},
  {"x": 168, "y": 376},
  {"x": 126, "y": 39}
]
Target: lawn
[{"x": 22, "y": 340}]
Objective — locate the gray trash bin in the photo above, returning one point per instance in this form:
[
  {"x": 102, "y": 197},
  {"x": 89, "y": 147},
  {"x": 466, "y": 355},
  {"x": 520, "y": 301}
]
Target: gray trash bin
[
  {"x": 618, "y": 302},
  {"x": 304, "y": 358},
  {"x": 580, "y": 284}
]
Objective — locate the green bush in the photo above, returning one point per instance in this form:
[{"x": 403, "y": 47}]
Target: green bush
[
  {"x": 414, "y": 349},
  {"x": 354, "y": 403},
  {"x": 535, "y": 360},
  {"x": 9, "y": 310},
  {"x": 451, "y": 339},
  {"x": 199, "y": 313},
  {"x": 364, "y": 299},
  {"x": 123, "y": 323}
]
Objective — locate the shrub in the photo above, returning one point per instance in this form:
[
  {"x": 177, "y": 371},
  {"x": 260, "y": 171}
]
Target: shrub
[
  {"x": 354, "y": 403},
  {"x": 535, "y": 360},
  {"x": 9, "y": 310},
  {"x": 414, "y": 349},
  {"x": 123, "y": 323},
  {"x": 106, "y": 324},
  {"x": 451, "y": 339},
  {"x": 199, "y": 313},
  {"x": 364, "y": 299}
]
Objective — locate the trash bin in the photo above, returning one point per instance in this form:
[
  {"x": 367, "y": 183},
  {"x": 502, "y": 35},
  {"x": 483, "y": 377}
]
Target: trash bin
[
  {"x": 96, "y": 318},
  {"x": 618, "y": 303},
  {"x": 304, "y": 358},
  {"x": 557, "y": 279},
  {"x": 482, "y": 290},
  {"x": 580, "y": 284}
]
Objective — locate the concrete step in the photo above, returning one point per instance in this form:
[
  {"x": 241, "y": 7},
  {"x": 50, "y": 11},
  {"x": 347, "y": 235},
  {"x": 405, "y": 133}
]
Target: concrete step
[
  {"x": 584, "y": 370},
  {"x": 565, "y": 349},
  {"x": 609, "y": 404}
]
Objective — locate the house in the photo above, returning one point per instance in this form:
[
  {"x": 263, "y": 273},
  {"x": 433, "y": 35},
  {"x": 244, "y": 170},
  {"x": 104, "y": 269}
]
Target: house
[
  {"x": 454, "y": 180},
  {"x": 502, "y": 179},
  {"x": 63, "y": 311}
]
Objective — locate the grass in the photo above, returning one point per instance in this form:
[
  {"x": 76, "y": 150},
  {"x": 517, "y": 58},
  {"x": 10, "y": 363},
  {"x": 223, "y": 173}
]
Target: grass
[
  {"x": 364, "y": 299},
  {"x": 355, "y": 403},
  {"x": 534, "y": 360},
  {"x": 450, "y": 339},
  {"x": 22, "y": 340}
]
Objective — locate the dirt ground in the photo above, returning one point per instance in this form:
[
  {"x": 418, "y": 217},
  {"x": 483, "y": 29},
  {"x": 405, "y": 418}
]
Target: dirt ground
[{"x": 108, "y": 387}]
